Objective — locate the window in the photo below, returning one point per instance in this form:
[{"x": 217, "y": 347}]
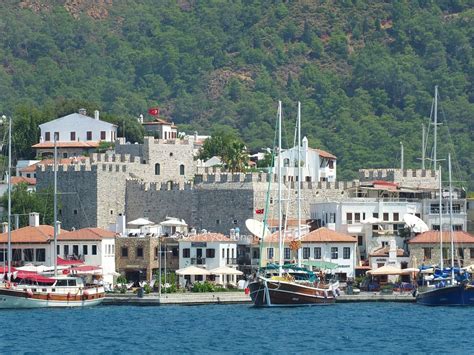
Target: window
[
  {"x": 236, "y": 221},
  {"x": 64, "y": 155},
  {"x": 181, "y": 169},
  {"x": 385, "y": 216},
  {"x": 47, "y": 136},
  {"x": 461, "y": 253},
  {"x": 102, "y": 135},
  {"x": 457, "y": 227},
  {"x": 360, "y": 240},
  {"x": 334, "y": 253},
  {"x": 16, "y": 254},
  {"x": 28, "y": 254},
  {"x": 396, "y": 217},
  {"x": 41, "y": 254},
  {"x": 384, "y": 244},
  {"x": 73, "y": 136},
  {"x": 139, "y": 252},
  {"x": 445, "y": 253},
  {"x": 471, "y": 253},
  {"x": 175, "y": 251},
  {"x": 75, "y": 211},
  {"x": 124, "y": 252},
  {"x": 306, "y": 252},
  {"x": 94, "y": 249},
  {"x": 89, "y": 135},
  {"x": 157, "y": 169},
  {"x": 66, "y": 250},
  {"x": 58, "y": 252},
  {"x": 331, "y": 164},
  {"x": 218, "y": 221},
  {"x": 317, "y": 252},
  {"x": 75, "y": 250},
  {"x": 346, "y": 253},
  {"x": 269, "y": 253},
  {"x": 186, "y": 253},
  {"x": 56, "y": 136},
  {"x": 287, "y": 252},
  {"x": 210, "y": 253},
  {"x": 223, "y": 253},
  {"x": 357, "y": 217},
  {"x": 349, "y": 218}
]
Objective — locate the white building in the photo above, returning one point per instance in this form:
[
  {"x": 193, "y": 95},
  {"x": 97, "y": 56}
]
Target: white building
[
  {"x": 316, "y": 165},
  {"x": 35, "y": 244},
  {"x": 76, "y": 134},
  {"x": 209, "y": 251},
  {"x": 161, "y": 129},
  {"x": 374, "y": 214}
]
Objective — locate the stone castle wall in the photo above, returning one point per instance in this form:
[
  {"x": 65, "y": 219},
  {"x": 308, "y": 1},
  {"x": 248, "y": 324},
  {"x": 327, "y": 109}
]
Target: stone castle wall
[{"x": 413, "y": 178}]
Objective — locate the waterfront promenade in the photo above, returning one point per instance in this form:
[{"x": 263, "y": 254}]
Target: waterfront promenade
[{"x": 233, "y": 298}]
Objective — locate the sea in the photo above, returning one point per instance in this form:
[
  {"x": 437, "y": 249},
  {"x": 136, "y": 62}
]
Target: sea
[{"x": 348, "y": 328}]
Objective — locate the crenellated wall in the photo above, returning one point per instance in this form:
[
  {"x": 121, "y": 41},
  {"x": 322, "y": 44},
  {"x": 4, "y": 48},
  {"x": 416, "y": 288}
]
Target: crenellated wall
[{"x": 412, "y": 178}]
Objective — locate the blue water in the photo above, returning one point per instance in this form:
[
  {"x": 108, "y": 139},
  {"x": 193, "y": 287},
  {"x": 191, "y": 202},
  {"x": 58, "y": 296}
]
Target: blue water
[{"x": 341, "y": 328}]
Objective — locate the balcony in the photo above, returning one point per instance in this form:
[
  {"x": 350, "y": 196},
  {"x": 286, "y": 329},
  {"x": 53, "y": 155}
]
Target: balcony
[{"x": 198, "y": 261}]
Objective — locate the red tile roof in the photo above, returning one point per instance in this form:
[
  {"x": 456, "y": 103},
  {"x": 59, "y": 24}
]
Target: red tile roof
[
  {"x": 324, "y": 154},
  {"x": 40, "y": 234},
  {"x": 63, "y": 161},
  {"x": 75, "y": 144},
  {"x": 21, "y": 179},
  {"x": 325, "y": 235},
  {"x": 384, "y": 251},
  {"x": 87, "y": 234},
  {"x": 432, "y": 237},
  {"x": 208, "y": 237},
  {"x": 158, "y": 121}
]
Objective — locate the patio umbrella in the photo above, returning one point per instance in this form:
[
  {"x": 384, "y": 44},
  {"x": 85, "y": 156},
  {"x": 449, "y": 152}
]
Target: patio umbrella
[
  {"x": 386, "y": 270},
  {"x": 225, "y": 270},
  {"x": 410, "y": 270},
  {"x": 140, "y": 222},
  {"x": 192, "y": 270}
]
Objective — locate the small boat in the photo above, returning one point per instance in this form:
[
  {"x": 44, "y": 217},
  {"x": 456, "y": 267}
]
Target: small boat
[{"x": 37, "y": 291}]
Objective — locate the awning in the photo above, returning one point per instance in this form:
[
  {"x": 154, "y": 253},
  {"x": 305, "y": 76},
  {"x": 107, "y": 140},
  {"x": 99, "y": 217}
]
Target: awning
[
  {"x": 225, "y": 270},
  {"x": 83, "y": 270},
  {"x": 324, "y": 265},
  {"x": 386, "y": 270},
  {"x": 192, "y": 270},
  {"x": 25, "y": 275},
  {"x": 64, "y": 262}
]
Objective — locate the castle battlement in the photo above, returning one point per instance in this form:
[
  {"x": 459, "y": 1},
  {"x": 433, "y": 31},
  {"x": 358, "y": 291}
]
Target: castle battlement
[
  {"x": 160, "y": 186},
  {"x": 113, "y": 158},
  {"x": 393, "y": 174},
  {"x": 151, "y": 140}
]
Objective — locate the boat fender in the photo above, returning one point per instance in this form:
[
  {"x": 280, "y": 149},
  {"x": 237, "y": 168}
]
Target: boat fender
[
  {"x": 68, "y": 295},
  {"x": 337, "y": 292},
  {"x": 8, "y": 284},
  {"x": 48, "y": 296}
]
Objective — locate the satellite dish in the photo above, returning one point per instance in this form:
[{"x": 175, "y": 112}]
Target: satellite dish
[
  {"x": 415, "y": 224},
  {"x": 257, "y": 228}
]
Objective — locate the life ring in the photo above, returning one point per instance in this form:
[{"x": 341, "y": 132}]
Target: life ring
[{"x": 8, "y": 285}]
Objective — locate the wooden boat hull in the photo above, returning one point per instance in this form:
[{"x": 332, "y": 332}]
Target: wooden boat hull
[
  {"x": 17, "y": 298},
  {"x": 271, "y": 293},
  {"x": 457, "y": 295}
]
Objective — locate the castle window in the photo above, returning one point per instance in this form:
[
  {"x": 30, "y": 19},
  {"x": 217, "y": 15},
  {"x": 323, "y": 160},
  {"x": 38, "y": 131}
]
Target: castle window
[
  {"x": 124, "y": 252},
  {"x": 157, "y": 169},
  {"x": 171, "y": 154},
  {"x": 218, "y": 221},
  {"x": 75, "y": 211},
  {"x": 139, "y": 252},
  {"x": 181, "y": 169},
  {"x": 111, "y": 212}
]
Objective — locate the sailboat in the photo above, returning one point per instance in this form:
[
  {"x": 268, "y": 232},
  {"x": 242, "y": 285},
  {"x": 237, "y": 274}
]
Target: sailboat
[
  {"x": 448, "y": 290},
  {"x": 32, "y": 290},
  {"x": 288, "y": 285}
]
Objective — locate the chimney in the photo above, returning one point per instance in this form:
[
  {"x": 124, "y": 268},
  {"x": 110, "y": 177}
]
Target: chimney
[
  {"x": 34, "y": 219},
  {"x": 96, "y": 114},
  {"x": 4, "y": 227},
  {"x": 82, "y": 111},
  {"x": 121, "y": 222}
]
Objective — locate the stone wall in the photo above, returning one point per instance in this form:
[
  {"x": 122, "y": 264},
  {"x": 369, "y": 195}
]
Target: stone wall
[
  {"x": 417, "y": 253},
  {"x": 413, "y": 178},
  {"x": 131, "y": 263}
]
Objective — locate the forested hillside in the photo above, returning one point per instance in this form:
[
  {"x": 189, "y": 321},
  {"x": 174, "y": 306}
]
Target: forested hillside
[{"x": 364, "y": 71}]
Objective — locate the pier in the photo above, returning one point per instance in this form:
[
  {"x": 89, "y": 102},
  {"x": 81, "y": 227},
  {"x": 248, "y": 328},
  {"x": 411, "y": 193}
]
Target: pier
[{"x": 234, "y": 298}]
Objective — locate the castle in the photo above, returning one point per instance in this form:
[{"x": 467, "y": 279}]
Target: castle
[{"x": 160, "y": 178}]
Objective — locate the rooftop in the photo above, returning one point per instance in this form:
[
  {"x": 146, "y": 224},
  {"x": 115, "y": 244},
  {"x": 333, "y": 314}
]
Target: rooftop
[
  {"x": 75, "y": 144},
  {"x": 433, "y": 237}
]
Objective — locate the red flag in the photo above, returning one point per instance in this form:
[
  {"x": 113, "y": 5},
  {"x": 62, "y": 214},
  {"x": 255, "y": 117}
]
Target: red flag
[
  {"x": 155, "y": 111},
  {"x": 259, "y": 211}
]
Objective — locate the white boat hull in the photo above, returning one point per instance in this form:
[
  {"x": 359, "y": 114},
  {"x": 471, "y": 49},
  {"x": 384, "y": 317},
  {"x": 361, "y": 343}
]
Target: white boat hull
[{"x": 11, "y": 302}]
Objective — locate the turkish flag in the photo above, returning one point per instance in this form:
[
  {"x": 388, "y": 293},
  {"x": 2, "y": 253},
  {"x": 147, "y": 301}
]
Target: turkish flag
[
  {"x": 259, "y": 211},
  {"x": 155, "y": 111}
]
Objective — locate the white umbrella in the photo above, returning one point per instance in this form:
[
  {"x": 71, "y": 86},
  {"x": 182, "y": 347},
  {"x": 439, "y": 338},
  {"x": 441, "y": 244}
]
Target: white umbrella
[
  {"x": 192, "y": 270},
  {"x": 174, "y": 223},
  {"x": 140, "y": 222},
  {"x": 386, "y": 270},
  {"x": 225, "y": 270}
]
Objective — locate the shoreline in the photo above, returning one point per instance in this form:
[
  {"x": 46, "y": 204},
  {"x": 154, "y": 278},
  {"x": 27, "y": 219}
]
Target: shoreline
[{"x": 233, "y": 298}]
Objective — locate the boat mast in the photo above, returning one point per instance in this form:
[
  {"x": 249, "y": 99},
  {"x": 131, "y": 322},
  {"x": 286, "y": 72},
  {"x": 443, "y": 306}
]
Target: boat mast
[
  {"x": 435, "y": 134},
  {"x": 451, "y": 217},
  {"x": 9, "y": 182},
  {"x": 280, "y": 213},
  {"x": 55, "y": 199},
  {"x": 423, "y": 147},
  {"x": 441, "y": 220},
  {"x": 299, "y": 183}
]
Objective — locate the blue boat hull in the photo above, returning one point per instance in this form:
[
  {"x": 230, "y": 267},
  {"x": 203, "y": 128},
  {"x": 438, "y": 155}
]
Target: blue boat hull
[{"x": 458, "y": 295}]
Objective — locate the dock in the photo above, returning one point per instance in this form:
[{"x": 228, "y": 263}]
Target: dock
[{"x": 153, "y": 299}]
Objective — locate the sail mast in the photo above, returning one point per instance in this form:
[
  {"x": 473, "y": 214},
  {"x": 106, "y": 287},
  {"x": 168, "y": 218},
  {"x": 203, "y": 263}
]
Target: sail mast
[
  {"x": 55, "y": 251},
  {"x": 299, "y": 182},
  {"x": 441, "y": 220},
  {"x": 451, "y": 216},
  {"x": 435, "y": 134},
  {"x": 9, "y": 198},
  {"x": 280, "y": 213}
]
